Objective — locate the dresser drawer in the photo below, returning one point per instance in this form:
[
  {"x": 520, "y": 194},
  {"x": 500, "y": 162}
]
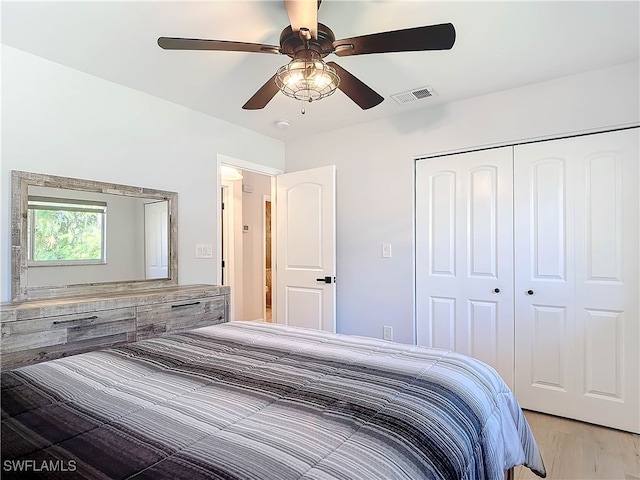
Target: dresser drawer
[
  {"x": 162, "y": 318},
  {"x": 38, "y": 339},
  {"x": 37, "y": 330}
]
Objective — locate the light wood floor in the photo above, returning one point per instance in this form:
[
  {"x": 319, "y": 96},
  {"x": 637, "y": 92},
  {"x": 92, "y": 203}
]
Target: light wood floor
[{"x": 580, "y": 451}]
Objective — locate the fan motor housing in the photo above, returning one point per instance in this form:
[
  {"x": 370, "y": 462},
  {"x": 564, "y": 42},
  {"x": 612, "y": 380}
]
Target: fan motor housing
[{"x": 290, "y": 42}]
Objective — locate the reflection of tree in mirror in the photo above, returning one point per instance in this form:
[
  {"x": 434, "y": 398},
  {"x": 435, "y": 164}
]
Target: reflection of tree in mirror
[
  {"x": 61, "y": 235},
  {"x": 65, "y": 230}
]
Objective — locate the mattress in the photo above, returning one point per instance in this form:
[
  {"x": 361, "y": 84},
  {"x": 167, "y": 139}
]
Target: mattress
[{"x": 261, "y": 401}]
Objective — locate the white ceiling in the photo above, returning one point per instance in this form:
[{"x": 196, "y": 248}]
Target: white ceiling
[{"x": 499, "y": 45}]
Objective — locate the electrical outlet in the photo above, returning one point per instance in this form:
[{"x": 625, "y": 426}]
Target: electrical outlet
[
  {"x": 386, "y": 250},
  {"x": 387, "y": 332}
]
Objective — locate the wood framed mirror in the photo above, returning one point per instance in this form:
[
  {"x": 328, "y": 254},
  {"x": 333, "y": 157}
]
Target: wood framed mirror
[{"x": 72, "y": 237}]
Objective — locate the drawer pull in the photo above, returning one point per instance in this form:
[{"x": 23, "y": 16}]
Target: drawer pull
[
  {"x": 58, "y": 322},
  {"x": 185, "y": 305}
]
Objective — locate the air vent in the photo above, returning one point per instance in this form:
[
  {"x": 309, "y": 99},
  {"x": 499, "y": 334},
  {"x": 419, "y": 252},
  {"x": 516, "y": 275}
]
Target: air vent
[{"x": 413, "y": 95}]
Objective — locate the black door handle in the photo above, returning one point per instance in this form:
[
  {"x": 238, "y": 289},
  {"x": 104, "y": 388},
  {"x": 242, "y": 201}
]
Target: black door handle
[{"x": 324, "y": 279}]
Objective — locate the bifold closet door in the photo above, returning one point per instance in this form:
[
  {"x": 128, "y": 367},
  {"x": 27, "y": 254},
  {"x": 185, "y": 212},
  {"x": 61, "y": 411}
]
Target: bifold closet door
[
  {"x": 464, "y": 255},
  {"x": 576, "y": 289}
]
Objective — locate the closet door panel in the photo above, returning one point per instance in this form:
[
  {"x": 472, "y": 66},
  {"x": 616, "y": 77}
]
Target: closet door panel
[
  {"x": 544, "y": 310},
  {"x": 550, "y": 357},
  {"x": 602, "y": 199},
  {"x": 603, "y": 276},
  {"x": 548, "y": 222},
  {"x": 482, "y": 255},
  {"x": 464, "y": 255},
  {"x": 577, "y": 242},
  {"x": 484, "y": 326},
  {"x": 607, "y": 283},
  {"x": 436, "y": 259},
  {"x": 442, "y": 224},
  {"x": 443, "y": 322},
  {"x": 604, "y": 354},
  {"x": 484, "y": 335}
]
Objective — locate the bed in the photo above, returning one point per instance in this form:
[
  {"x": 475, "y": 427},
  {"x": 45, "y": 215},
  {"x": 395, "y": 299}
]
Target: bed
[{"x": 246, "y": 400}]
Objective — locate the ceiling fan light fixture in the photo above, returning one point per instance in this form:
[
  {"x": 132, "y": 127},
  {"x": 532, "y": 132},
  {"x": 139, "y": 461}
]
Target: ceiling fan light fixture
[
  {"x": 307, "y": 42},
  {"x": 307, "y": 77}
]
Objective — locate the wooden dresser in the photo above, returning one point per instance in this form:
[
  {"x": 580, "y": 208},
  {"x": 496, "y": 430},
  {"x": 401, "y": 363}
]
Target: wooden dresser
[{"x": 37, "y": 330}]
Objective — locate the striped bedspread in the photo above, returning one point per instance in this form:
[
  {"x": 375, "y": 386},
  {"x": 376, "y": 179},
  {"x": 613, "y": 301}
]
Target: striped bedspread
[{"x": 258, "y": 401}]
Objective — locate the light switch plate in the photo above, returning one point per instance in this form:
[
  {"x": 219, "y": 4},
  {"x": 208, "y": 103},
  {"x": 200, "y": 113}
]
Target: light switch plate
[
  {"x": 386, "y": 250},
  {"x": 204, "y": 250}
]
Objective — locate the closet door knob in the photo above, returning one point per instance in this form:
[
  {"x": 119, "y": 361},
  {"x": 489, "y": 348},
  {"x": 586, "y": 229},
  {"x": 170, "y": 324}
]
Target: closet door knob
[
  {"x": 496, "y": 290},
  {"x": 529, "y": 292}
]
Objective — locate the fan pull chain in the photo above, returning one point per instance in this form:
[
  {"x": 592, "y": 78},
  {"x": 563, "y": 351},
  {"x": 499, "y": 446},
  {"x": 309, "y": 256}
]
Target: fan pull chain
[{"x": 302, "y": 109}]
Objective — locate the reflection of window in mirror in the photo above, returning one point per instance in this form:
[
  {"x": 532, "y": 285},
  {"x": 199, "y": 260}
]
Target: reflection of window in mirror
[
  {"x": 63, "y": 231},
  {"x": 133, "y": 246}
]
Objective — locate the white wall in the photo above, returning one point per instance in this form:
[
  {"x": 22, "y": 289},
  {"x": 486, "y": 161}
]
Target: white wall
[
  {"x": 60, "y": 121},
  {"x": 375, "y": 177}
]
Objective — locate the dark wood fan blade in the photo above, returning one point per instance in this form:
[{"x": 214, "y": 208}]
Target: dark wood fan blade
[
  {"x": 355, "y": 89},
  {"x": 169, "y": 43},
  {"x": 262, "y": 96},
  {"x": 431, "y": 37},
  {"x": 303, "y": 14}
]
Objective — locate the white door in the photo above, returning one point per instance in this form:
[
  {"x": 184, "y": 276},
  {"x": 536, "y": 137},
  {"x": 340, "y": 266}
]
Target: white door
[
  {"x": 305, "y": 252},
  {"x": 464, "y": 255},
  {"x": 156, "y": 238},
  {"x": 577, "y": 316}
]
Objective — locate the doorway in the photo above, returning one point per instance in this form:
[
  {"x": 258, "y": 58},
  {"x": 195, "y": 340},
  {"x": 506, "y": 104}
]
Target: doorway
[
  {"x": 245, "y": 238},
  {"x": 302, "y": 237}
]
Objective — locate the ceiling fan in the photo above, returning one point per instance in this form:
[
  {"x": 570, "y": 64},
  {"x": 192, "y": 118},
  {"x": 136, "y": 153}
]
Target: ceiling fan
[{"x": 307, "y": 77}]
